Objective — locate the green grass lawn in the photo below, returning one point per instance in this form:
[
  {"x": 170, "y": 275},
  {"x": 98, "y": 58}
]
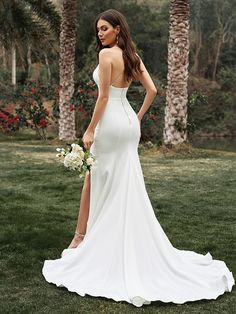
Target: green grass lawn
[{"x": 193, "y": 195}]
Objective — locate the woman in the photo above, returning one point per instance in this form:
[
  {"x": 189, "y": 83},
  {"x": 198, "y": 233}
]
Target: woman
[
  {"x": 112, "y": 64},
  {"x": 120, "y": 250}
]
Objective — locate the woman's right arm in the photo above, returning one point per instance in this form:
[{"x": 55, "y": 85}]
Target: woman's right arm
[
  {"x": 150, "y": 88},
  {"x": 104, "y": 78}
]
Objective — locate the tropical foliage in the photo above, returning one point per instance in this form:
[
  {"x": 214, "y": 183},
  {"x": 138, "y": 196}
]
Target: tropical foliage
[
  {"x": 25, "y": 27},
  {"x": 37, "y": 56}
]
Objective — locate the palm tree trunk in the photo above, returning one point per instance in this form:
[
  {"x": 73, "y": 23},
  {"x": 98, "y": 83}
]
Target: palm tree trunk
[
  {"x": 47, "y": 65},
  {"x": 196, "y": 55},
  {"x": 175, "y": 129},
  {"x": 67, "y": 56},
  {"x": 13, "y": 65},
  {"x": 4, "y": 59},
  {"x": 197, "y": 35},
  {"x": 29, "y": 60},
  {"x": 219, "y": 44}
]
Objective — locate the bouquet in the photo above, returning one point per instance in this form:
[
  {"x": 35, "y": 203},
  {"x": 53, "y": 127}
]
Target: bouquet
[{"x": 76, "y": 157}]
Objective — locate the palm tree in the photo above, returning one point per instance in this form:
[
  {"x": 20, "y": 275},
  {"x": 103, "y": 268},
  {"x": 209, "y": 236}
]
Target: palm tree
[
  {"x": 175, "y": 129},
  {"x": 25, "y": 22},
  {"x": 67, "y": 61}
]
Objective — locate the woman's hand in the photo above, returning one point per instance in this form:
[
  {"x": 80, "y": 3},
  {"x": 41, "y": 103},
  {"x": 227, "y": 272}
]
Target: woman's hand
[
  {"x": 139, "y": 118},
  {"x": 88, "y": 139}
]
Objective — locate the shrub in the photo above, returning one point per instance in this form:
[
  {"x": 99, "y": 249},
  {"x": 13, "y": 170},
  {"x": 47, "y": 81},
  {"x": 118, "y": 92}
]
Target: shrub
[
  {"x": 227, "y": 79},
  {"x": 213, "y": 114},
  {"x": 28, "y": 108}
]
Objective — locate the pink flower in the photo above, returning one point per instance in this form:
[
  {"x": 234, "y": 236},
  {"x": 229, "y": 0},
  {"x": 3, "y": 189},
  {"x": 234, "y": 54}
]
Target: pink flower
[
  {"x": 43, "y": 123},
  {"x": 72, "y": 108},
  {"x": 80, "y": 108},
  {"x": 34, "y": 90},
  {"x": 3, "y": 116},
  {"x": 153, "y": 117},
  {"x": 13, "y": 120}
]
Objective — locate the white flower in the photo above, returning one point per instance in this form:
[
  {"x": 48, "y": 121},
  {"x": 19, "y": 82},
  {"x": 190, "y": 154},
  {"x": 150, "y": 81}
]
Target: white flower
[
  {"x": 73, "y": 161},
  {"x": 89, "y": 161},
  {"x": 61, "y": 151},
  {"x": 76, "y": 148},
  {"x": 81, "y": 153},
  {"x": 75, "y": 158}
]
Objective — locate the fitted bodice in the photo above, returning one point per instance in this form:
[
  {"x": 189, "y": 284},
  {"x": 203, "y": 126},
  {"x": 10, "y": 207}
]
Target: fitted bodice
[{"x": 114, "y": 92}]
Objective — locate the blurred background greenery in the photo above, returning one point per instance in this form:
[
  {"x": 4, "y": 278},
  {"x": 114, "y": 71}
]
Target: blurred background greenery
[{"x": 212, "y": 75}]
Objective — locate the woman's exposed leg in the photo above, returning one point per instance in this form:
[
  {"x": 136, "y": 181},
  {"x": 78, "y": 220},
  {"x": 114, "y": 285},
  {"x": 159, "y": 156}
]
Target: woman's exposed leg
[{"x": 83, "y": 213}]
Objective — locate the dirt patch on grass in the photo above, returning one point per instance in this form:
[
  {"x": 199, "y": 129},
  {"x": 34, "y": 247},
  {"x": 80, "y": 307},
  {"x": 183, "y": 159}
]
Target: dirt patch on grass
[{"x": 25, "y": 152}]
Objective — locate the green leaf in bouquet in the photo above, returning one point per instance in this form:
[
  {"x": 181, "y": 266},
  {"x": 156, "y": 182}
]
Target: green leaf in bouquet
[
  {"x": 81, "y": 143},
  {"x": 69, "y": 148}
]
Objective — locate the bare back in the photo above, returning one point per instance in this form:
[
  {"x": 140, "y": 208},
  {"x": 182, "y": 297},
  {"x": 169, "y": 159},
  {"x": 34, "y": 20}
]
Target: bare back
[{"x": 117, "y": 69}]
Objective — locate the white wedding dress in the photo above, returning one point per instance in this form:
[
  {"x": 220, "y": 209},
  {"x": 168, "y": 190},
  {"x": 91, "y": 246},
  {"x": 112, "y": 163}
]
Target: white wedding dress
[{"x": 125, "y": 254}]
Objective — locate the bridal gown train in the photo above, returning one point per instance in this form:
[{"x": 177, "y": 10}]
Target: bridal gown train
[{"x": 125, "y": 254}]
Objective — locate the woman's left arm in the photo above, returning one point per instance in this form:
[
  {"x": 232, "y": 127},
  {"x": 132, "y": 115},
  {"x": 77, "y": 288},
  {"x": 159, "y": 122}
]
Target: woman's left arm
[
  {"x": 151, "y": 90},
  {"x": 104, "y": 83}
]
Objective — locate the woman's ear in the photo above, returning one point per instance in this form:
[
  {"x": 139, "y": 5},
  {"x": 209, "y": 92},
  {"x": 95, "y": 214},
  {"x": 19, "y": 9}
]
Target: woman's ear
[{"x": 117, "y": 29}]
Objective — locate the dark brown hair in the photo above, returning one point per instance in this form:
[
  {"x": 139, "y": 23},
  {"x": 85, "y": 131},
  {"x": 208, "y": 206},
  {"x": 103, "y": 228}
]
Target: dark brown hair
[{"x": 131, "y": 59}]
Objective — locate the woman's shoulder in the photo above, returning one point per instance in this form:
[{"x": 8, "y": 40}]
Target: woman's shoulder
[
  {"x": 112, "y": 51},
  {"x": 105, "y": 55},
  {"x": 110, "y": 55},
  {"x": 106, "y": 52},
  {"x": 138, "y": 56}
]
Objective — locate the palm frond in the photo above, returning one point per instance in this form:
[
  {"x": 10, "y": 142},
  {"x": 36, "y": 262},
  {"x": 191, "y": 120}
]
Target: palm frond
[
  {"x": 17, "y": 23},
  {"x": 46, "y": 12}
]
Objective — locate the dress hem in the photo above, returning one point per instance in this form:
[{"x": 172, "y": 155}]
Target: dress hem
[{"x": 139, "y": 301}]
